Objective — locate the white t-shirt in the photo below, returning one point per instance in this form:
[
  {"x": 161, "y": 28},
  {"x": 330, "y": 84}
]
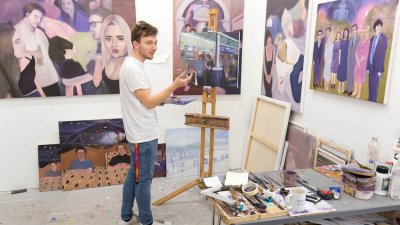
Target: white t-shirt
[{"x": 140, "y": 123}]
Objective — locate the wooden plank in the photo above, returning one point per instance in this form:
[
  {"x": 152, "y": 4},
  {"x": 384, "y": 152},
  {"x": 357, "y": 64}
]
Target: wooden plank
[
  {"x": 207, "y": 121},
  {"x": 177, "y": 192}
]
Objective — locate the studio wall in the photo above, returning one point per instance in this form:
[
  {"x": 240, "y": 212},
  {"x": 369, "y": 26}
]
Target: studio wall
[{"x": 26, "y": 123}]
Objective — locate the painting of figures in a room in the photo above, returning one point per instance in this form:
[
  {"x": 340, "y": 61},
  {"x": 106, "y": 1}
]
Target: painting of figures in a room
[
  {"x": 284, "y": 51},
  {"x": 352, "y": 48},
  {"x": 58, "y": 47},
  {"x": 209, "y": 68},
  {"x": 49, "y": 167}
]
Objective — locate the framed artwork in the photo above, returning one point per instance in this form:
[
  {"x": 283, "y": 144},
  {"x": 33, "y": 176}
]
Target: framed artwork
[
  {"x": 352, "y": 48},
  {"x": 218, "y": 63},
  {"x": 286, "y": 30},
  {"x": 183, "y": 151},
  {"x": 49, "y": 167},
  {"x": 58, "y": 48}
]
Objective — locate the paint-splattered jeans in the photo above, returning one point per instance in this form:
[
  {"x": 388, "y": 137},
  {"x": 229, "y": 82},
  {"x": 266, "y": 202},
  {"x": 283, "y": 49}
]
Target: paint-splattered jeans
[{"x": 141, "y": 191}]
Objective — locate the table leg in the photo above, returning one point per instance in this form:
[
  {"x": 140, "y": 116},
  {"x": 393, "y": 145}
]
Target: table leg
[{"x": 213, "y": 215}]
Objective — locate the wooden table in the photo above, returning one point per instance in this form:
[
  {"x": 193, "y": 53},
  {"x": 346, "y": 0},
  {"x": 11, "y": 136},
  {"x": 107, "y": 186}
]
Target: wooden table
[{"x": 345, "y": 206}]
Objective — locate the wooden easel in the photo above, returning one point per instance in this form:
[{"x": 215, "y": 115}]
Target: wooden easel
[
  {"x": 213, "y": 20},
  {"x": 204, "y": 121}
]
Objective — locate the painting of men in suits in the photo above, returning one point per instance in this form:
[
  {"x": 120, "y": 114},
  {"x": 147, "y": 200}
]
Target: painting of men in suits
[{"x": 362, "y": 36}]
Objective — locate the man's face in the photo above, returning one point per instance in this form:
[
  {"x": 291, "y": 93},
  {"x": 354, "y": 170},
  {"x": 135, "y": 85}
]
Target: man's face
[
  {"x": 378, "y": 29},
  {"x": 34, "y": 18},
  {"x": 147, "y": 46},
  {"x": 81, "y": 154},
  {"x": 115, "y": 42},
  {"x": 53, "y": 166},
  {"x": 353, "y": 31},
  {"x": 319, "y": 36},
  {"x": 95, "y": 22},
  {"x": 121, "y": 150}
]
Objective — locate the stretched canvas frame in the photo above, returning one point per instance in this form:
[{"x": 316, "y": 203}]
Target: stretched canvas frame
[{"x": 267, "y": 134}]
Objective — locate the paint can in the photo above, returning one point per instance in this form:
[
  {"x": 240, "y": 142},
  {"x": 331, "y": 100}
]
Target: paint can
[{"x": 336, "y": 191}]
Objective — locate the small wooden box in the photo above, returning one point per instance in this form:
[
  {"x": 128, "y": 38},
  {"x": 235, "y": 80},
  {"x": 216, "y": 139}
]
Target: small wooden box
[
  {"x": 207, "y": 121},
  {"x": 229, "y": 218}
]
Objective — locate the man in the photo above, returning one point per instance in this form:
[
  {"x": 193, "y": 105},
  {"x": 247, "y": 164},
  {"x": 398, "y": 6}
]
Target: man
[
  {"x": 53, "y": 172},
  {"x": 351, "y": 59},
  {"x": 94, "y": 66},
  {"x": 317, "y": 58},
  {"x": 376, "y": 60},
  {"x": 38, "y": 45},
  {"x": 140, "y": 120},
  {"x": 81, "y": 163},
  {"x": 122, "y": 160}
]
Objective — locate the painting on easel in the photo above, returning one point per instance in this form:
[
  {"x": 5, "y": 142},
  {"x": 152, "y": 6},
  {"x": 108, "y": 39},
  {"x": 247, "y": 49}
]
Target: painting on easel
[
  {"x": 183, "y": 146},
  {"x": 352, "y": 48},
  {"x": 284, "y": 51},
  {"x": 49, "y": 167},
  {"x": 192, "y": 16}
]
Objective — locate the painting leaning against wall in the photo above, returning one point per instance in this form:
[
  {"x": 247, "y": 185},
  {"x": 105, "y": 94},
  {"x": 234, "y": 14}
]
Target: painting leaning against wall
[
  {"x": 284, "y": 51},
  {"x": 58, "y": 48},
  {"x": 352, "y": 48}
]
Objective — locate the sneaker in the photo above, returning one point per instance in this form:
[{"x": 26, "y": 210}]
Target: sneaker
[
  {"x": 134, "y": 220},
  {"x": 161, "y": 222}
]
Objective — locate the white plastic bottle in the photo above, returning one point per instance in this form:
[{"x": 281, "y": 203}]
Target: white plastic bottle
[
  {"x": 394, "y": 184},
  {"x": 373, "y": 152}
]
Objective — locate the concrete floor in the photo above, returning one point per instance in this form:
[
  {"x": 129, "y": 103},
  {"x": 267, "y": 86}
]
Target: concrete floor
[{"x": 101, "y": 205}]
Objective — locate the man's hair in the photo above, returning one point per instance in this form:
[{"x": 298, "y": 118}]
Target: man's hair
[
  {"x": 319, "y": 31},
  {"x": 378, "y": 22},
  {"x": 80, "y": 148},
  {"x": 142, "y": 29},
  {"x": 28, "y": 8},
  {"x": 101, "y": 12},
  {"x": 120, "y": 144},
  {"x": 328, "y": 28},
  {"x": 354, "y": 25}
]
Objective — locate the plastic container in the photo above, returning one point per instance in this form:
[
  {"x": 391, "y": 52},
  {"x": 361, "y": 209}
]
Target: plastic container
[
  {"x": 373, "y": 152},
  {"x": 382, "y": 180}
]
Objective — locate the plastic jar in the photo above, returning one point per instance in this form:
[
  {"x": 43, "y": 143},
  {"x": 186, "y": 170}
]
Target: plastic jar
[{"x": 382, "y": 180}]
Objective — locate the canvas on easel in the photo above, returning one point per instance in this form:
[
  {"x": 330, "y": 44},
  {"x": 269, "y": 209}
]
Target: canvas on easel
[{"x": 267, "y": 135}]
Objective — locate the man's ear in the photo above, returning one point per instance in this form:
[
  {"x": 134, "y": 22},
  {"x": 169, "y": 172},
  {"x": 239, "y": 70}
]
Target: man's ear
[{"x": 135, "y": 44}]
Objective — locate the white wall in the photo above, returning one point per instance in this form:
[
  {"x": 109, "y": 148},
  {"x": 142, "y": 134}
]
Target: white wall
[{"x": 26, "y": 123}]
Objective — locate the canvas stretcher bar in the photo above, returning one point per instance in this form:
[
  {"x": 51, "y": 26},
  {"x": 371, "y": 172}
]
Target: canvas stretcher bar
[{"x": 267, "y": 135}]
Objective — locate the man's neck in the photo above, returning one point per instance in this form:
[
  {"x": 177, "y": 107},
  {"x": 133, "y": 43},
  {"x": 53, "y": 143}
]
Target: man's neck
[
  {"x": 135, "y": 54},
  {"x": 31, "y": 28}
]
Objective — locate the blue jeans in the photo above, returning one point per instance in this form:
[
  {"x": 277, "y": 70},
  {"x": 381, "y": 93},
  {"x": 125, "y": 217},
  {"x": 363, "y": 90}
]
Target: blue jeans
[{"x": 147, "y": 158}]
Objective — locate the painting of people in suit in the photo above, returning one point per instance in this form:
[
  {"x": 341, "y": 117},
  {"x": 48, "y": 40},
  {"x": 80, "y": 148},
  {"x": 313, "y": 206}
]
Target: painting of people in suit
[
  {"x": 284, "y": 51},
  {"x": 352, "y": 48},
  {"x": 59, "y": 47},
  {"x": 192, "y": 16}
]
